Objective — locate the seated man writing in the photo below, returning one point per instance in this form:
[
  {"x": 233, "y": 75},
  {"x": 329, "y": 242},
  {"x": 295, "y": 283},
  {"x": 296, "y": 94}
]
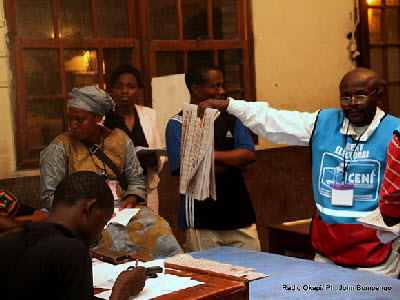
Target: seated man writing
[{"x": 50, "y": 260}]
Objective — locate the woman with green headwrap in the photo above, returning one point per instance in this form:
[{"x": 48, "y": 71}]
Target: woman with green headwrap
[{"x": 68, "y": 154}]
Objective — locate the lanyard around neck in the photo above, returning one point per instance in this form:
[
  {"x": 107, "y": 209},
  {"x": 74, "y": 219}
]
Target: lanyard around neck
[{"x": 345, "y": 151}]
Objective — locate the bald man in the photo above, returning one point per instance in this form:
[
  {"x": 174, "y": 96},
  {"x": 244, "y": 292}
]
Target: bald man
[{"x": 348, "y": 148}]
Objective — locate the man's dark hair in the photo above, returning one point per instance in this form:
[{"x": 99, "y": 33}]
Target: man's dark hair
[
  {"x": 124, "y": 69},
  {"x": 197, "y": 73},
  {"x": 83, "y": 185}
]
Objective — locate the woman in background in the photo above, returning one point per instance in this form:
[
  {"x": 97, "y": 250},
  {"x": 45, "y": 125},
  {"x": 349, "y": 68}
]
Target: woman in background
[{"x": 138, "y": 122}]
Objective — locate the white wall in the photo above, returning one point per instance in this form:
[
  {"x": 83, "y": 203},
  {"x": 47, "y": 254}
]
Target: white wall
[{"x": 300, "y": 50}]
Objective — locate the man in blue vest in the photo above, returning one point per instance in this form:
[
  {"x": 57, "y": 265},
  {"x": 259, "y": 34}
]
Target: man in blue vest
[{"x": 348, "y": 148}]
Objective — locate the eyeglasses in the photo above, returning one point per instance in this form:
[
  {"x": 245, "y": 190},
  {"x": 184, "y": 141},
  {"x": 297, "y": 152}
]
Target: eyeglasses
[{"x": 359, "y": 99}]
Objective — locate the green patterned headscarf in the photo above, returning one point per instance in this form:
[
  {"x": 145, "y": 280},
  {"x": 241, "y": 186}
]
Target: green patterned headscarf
[{"x": 91, "y": 99}]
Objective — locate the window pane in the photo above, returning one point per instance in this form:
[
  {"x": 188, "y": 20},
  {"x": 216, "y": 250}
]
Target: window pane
[
  {"x": 392, "y": 25},
  {"x": 45, "y": 121},
  {"x": 194, "y": 15},
  {"x": 225, "y": 20},
  {"x": 80, "y": 68},
  {"x": 237, "y": 96},
  {"x": 164, "y": 19},
  {"x": 392, "y": 2},
  {"x": 393, "y": 54},
  {"x": 41, "y": 72},
  {"x": 74, "y": 19},
  {"x": 374, "y": 25},
  {"x": 374, "y": 2},
  {"x": 394, "y": 103},
  {"x": 169, "y": 62},
  {"x": 230, "y": 62},
  {"x": 112, "y": 18},
  {"x": 194, "y": 56},
  {"x": 114, "y": 57},
  {"x": 376, "y": 60},
  {"x": 34, "y": 18}
]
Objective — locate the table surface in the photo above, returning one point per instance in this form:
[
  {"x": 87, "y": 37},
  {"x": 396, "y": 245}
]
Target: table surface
[{"x": 292, "y": 278}]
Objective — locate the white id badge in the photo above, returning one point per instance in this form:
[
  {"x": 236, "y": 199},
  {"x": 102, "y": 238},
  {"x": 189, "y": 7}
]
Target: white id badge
[
  {"x": 342, "y": 195},
  {"x": 112, "y": 184}
]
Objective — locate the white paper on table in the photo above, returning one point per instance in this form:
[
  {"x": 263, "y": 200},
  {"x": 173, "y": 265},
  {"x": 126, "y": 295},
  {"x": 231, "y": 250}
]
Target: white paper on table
[
  {"x": 163, "y": 284},
  {"x": 213, "y": 266},
  {"x": 104, "y": 274},
  {"x": 123, "y": 217}
]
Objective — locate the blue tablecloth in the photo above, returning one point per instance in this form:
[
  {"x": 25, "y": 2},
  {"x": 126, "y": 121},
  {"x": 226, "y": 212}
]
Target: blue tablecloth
[{"x": 292, "y": 278}]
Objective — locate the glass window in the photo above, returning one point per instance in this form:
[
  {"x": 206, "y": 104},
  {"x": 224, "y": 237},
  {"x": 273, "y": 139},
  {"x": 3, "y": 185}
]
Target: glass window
[
  {"x": 235, "y": 95},
  {"x": 114, "y": 57},
  {"x": 34, "y": 18},
  {"x": 164, "y": 19},
  {"x": 376, "y": 61},
  {"x": 230, "y": 61},
  {"x": 74, "y": 19},
  {"x": 41, "y": 72},
  {"x": 374, "y": 2},
  {"x": 45, "y": 121},
  {"x": 194, "y": 56},
  {"x": 112, "y": 18},
  {"x": 374, "y": 23},
  {"x": 394, "y": 106},
  {"x": 392, "y": 25},
  {"x": 169, "y": 62},
  {"x": 225, "y": 20},
  {"x": 194, "y": 15},
  {"x": 393, "y": 56},
  {"x": 392, "y": 2},
  {"x": 80, "y": 68}
]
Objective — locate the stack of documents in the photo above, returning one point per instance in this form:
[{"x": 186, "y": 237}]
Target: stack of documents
[
  {"x": 375, "y": 220},
  {"x": 213, "y": 266},
  {"x": 197, "y": 177}
]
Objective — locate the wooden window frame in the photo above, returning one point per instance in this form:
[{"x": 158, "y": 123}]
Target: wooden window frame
[
  {"x": 144, "y": 54},
  {"x": 365, "y": 45}
]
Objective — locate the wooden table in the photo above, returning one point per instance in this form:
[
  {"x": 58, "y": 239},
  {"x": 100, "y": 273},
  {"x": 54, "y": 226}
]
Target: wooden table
[
  {"x": 293, "y": 278},
  {"x": 215, "y": 285}
]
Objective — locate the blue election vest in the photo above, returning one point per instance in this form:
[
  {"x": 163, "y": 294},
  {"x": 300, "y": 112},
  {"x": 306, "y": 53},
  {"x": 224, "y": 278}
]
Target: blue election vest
[{"x": 366, "y": 166}]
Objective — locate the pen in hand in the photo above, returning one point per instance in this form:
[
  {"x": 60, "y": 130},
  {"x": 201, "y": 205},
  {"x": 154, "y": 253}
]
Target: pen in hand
[{"x": 133, "y": 267}]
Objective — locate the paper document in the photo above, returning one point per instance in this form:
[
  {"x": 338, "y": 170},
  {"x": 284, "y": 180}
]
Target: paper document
[
  {"x": 104, "y": 276},
  {"x": 123, "y": 217},
  {"x": 157, "y": 151},
  {"x": 375, "y": 220},
  {"x": 213, "y": 266},
  {"x": 197, "y": 177}
]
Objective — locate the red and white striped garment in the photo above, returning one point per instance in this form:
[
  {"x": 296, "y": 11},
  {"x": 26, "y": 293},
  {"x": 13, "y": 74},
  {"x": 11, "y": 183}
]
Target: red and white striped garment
[{"x": 389, "y": 202}]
